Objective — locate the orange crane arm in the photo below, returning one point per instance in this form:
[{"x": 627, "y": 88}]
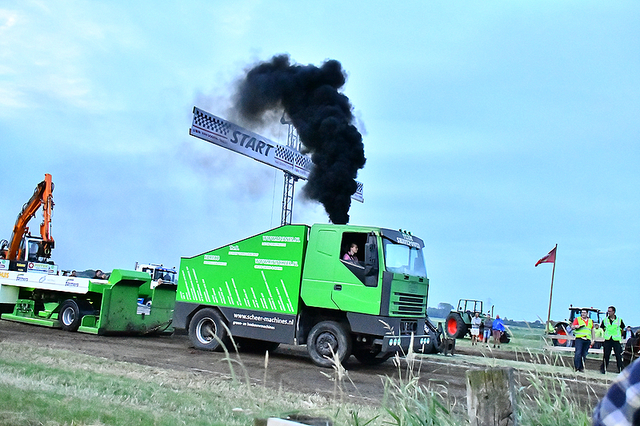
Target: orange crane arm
[{"x": 42, "y": 196}]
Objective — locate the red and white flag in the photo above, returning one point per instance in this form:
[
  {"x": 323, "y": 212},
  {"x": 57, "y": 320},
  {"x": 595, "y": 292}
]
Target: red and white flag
[{"x": 549, "y": 258}]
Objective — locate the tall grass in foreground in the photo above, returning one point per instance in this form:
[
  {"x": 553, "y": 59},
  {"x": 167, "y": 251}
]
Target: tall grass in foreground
[
  {"x": 56, "y": 387},
  {"x": 409, "y": 403},
  {"x": 550, "y": 402}
]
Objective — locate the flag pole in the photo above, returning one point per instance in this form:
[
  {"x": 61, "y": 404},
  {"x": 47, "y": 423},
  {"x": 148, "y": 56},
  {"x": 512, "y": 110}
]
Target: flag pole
[{"x": 553, "y": 273}]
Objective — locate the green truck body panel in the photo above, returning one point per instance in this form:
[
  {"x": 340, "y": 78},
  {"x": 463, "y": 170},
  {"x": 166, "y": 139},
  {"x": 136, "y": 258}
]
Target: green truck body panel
[{"x": 260, "y": 273}]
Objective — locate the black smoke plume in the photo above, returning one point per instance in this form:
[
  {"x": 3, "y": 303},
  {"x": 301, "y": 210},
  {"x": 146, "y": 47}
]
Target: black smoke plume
[{"x": 322, "y": 116}]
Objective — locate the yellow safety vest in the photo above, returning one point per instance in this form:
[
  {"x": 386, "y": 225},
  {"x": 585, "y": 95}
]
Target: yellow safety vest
[
  {"x": 612, "y": 329},
  {"x": 584, "y": 329}
]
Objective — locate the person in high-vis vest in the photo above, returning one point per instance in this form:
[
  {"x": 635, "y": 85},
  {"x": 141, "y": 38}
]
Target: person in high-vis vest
[
  {"x": 583, "y": 332},
  {"x": 613, "y": 328},
  {"x": 598, "y": 336}
]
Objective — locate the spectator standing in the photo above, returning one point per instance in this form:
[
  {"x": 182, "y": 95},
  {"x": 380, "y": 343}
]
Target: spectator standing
[
  {"x": 612, "y": 327},
  {"x": 583, "y": 332},
  {"x": 487, "y": 328},
  {"x": 497, "y": 327},
  {"x": 475, "y": 328},
  {"x": 628, "y": 333},
  {"x": 598, "y": 333}
]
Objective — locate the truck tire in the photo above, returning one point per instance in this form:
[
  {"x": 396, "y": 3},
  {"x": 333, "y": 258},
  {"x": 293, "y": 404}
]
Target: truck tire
[
  {"x": 455, "y": 326},
  {"x": 207, "y": 331},
  {"x": 69, "y": 315},
  {"x": 328, "y": 339}
]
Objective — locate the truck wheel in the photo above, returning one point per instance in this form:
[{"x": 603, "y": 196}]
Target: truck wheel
[
  {"x": 69, "y": 315},
  {"x": 326, "y": 340},
  {"x": 207, "y": 330},
  {"x": 455, "y": 326}
]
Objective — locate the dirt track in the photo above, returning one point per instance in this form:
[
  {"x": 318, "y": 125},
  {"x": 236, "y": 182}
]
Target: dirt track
[{"x": 290, "y": 367}]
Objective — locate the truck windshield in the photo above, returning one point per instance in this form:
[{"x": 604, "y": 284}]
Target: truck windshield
[{"x": 402, "y": 259}]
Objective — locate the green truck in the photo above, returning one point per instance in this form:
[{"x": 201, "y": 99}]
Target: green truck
[{"x": 294, "y": 285}]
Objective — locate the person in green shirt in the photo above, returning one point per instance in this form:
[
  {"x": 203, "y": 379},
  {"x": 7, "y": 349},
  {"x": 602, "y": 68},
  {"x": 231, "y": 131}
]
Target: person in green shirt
[
  {"x": 598, "y": 333},
  {"x": 613, "y": 328}
]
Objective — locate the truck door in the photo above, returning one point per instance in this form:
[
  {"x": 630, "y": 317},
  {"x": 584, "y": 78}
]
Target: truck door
[{"x": 356, "y": 288}]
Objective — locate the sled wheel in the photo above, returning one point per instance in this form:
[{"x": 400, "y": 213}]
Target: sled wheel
[
  {"x": 328, "y": 339},
  {"x": 69, "y": 315}
]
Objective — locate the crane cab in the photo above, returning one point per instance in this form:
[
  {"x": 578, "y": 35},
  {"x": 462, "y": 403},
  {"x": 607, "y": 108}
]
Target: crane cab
[{"x": 34, "y": 249}]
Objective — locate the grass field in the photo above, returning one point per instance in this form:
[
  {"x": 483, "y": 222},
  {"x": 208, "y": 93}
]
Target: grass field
[{"x": 56, "y": 387}]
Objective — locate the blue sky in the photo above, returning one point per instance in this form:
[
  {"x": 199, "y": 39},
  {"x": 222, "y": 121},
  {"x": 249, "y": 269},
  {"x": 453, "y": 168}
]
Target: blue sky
[{"x": 492, "y": 130}]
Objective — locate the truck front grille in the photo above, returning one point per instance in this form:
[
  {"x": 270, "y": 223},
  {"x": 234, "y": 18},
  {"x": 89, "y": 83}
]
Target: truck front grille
[{"x": 406, "y": 304}]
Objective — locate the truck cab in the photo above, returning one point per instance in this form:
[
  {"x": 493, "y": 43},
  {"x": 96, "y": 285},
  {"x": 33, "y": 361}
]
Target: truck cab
[
  {"x": 389, "y": 277},
  {"x": 381, "y": 298}
]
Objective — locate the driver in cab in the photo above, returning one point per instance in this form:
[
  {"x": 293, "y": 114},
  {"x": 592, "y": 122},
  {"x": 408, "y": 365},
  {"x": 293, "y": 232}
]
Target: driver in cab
[{"x": 351, "y": 255}]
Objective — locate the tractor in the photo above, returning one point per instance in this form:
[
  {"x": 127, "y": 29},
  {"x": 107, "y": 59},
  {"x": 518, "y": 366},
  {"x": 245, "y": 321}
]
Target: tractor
[{"x": 458, "y": 322}]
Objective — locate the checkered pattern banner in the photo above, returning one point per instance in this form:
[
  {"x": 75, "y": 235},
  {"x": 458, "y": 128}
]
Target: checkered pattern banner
[
  {"x": 210, "y": 122},
  {"x": 285, "y": 154},
  {"x": 297, "y": 161}
]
